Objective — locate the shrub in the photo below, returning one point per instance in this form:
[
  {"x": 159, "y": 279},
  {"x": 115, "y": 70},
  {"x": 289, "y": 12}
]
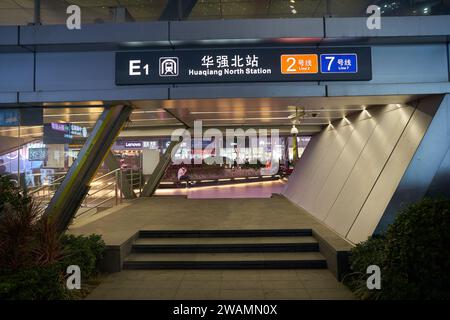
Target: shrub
[
  {"x": 85, "y": 252},
  {"x": 10, "y": 195},
  {"x": 35, "y": 283},
  {"x": 28, "y": 237},
  {"x": 33, "y": 256},
  {"x": 413, "y": 254}
]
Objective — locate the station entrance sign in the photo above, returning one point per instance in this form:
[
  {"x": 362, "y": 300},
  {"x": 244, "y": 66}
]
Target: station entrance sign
[{"x": 243, "y": 65}]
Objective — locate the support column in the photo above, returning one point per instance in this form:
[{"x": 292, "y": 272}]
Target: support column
[
  {"x": 294, "y": 148},
  {"x": 73, "y": 189},
  {"x": 177, "y": 10},
  {"x": 37, "y": 12},
  {"x": 124, "y": 183},
  {"x": 153, "y": 182}
]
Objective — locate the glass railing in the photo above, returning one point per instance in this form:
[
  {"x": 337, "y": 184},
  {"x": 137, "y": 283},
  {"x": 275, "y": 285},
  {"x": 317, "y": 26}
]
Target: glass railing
[{"x": 92, "y": 11}]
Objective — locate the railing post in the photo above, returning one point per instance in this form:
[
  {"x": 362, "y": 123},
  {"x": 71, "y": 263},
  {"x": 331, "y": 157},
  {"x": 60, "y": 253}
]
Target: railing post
[
  {"x": 132, "y": 183},
  {"x": 121, "y": 184},
  {"x": 140, "y": 181},
  {"x": 115, "y": 187}
]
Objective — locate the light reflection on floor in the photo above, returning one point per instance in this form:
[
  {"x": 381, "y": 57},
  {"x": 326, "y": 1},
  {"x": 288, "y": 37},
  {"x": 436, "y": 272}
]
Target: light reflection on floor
[{"x": 240, "y": 190}]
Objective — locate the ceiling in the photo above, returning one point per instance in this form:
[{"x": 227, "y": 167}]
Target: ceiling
[
  {"x": 20, "y": 12},
  {"x": 161, "y": 117},
  {"x": 267, "y": 111}
]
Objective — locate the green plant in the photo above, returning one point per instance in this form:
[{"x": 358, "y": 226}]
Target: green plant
[
  {"x": 10, "y": 195},
  {"x": 413, "y": 254},
  {"x": 85, "y": 252},
  {"x": 33, "y": 256},
  {"x": 35, "y": 283},
  {"x": 370, "y": 252}
]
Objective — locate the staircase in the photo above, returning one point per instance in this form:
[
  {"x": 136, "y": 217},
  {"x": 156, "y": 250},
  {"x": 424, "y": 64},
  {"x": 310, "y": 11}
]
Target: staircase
[{"x": 225, "y": 249}]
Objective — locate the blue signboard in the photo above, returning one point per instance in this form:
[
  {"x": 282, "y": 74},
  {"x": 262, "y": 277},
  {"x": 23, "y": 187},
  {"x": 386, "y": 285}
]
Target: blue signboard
[
  {"x": 9, "y": 117},
  {"x": 339, "y": 63}
]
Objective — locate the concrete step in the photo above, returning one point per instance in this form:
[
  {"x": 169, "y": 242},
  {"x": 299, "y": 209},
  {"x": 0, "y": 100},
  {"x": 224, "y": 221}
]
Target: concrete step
[
  {"x": 226, "y": 244},
  {"x": 224, "y": 233},
  {"x": 259, "y": 260}
]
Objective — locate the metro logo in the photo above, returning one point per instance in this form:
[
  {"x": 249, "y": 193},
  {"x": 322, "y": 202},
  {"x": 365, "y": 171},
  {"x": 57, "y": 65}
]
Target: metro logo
[{"x": 299, "y": 63}]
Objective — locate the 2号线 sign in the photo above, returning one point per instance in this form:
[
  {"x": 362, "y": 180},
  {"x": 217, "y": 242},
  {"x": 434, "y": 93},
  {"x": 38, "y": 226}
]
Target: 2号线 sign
[{"x": 243, "y": 65}]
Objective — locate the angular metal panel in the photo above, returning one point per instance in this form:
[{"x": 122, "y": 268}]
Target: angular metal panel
[
  {"x": 125, "y": 93},
  {"x": 329, "y": 192},
  {"x": 251, "y": 90},
  {"x": 16, "y": 72},
  {"x": 75, "y": 71},
  {"x": 373, "y": 89},
  {"x": 260, "y": 30},
  {"x": 373, "y": 158},
  {"x": 440, "y": 185},
  {"x": 327, "y": 166},
  {"x": 8, "y": 97},
  {"x": 119, "y": 33},
  {"x": 425, "y": 164},
  {"x": 409, "y": 63},
  {"x": 9, "y": 35},
  {"x": 387, "y": 183},
  {"x": 390, "y": 27}
]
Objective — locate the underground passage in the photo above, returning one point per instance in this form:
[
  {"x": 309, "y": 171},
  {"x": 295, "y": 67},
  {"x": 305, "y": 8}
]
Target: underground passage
[{"x": 224, "y": 150}]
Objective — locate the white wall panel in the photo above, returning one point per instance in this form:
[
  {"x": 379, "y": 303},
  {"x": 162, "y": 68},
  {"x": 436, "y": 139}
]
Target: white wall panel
[
  {"x": 327, "y": 139},
  {"x": 389, "y": 179},
  {"x": 298, "y": 174},
  {"x": 367, "y": 169},
  {"x": 348, "y": 174},
  {"x": 308, "y": 167},
  {"x": 362, "y": 131},
  {"x": 327, "y": 165}
]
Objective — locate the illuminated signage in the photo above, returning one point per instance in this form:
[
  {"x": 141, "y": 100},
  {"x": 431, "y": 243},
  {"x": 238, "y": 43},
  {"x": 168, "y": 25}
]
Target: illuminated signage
[
  {"x": 57, "y": 132},
  {"x": 21, "y": 116},
  {"x": 299, "y": 63},
  {"x": 133, "y": 144},
  {"x": 37, "y": 154},
  {"x": 244, "y": 65},
  {"x": 339, "y": 63},
  {"x": 9, "y": 117}
]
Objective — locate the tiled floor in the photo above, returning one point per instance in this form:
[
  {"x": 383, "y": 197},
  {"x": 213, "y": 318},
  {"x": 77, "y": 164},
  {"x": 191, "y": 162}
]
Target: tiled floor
[{"x": 221, "y": 284}]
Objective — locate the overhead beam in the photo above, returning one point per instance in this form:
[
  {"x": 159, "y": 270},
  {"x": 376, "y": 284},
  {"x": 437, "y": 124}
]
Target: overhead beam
[
  {"x": 67, "y": 199},
  {"x": 121, "y": 14},
  {"x": 188, "y": 123},
  {"x": 177, "y": 10}
]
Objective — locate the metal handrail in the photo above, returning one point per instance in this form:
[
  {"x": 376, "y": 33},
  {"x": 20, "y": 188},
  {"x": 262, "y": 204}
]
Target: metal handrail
[
  {"x": 96, "y": 179},
  {"x": 110, "y": 184},
  {"x": 101, "y": 189},
  {"x": 104, "y": 201},
  {"x": 48, "y": 185}
]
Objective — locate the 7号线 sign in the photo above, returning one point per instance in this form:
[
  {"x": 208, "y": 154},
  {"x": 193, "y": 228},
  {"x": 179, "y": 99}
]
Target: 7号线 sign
[{"x": 243, "y": 65}]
